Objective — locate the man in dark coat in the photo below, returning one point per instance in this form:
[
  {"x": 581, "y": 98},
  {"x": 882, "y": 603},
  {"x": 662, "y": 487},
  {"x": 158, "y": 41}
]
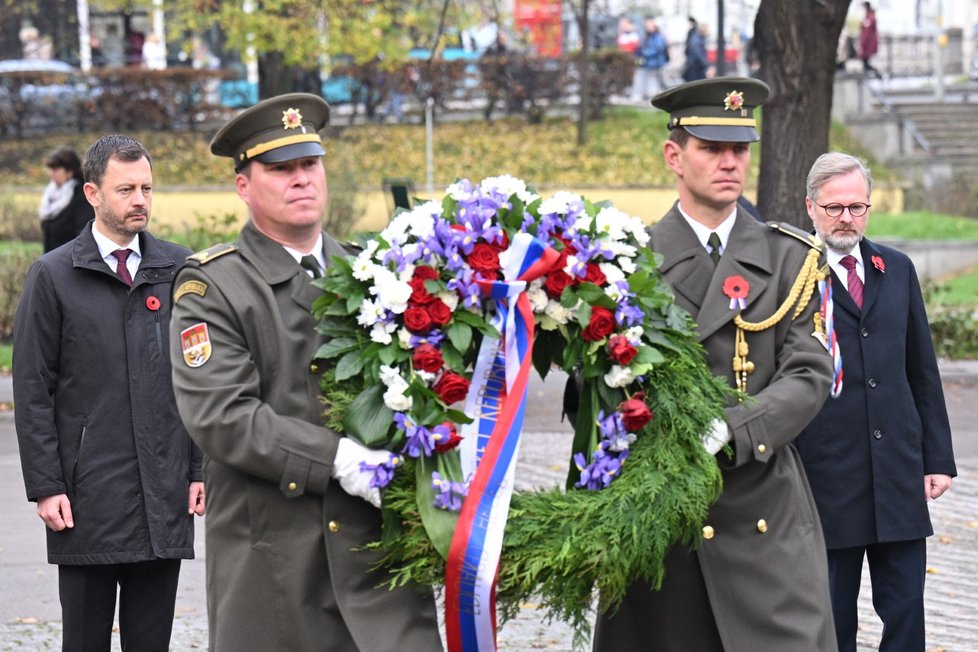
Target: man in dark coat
[
  {"x": 288, "y": 509},
  {"x": 876, "y": 454},
  {"x": 758, "y": 579},
  {"x": 114, "y": 473}
]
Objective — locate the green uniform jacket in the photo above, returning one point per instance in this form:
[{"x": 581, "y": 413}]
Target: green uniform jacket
[
  {"x": 282, "y": 572},
  {"x": 763, "y": 557}
]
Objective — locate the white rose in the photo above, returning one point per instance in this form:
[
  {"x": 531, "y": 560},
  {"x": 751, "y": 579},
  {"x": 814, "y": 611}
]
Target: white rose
[
  {"x": 381, "y": 332},
  {"x": 634, "y": 334},
  {"x": 538, "y": 299},
  {"x": 619, "y": 377},
  {"x": 557, "y": 312},
  {"x": 392, "y": 292},
  {"x": 450, "y": 299},
  {"x": 395, "y": 399},
  {"x": 612, "y": 273}
]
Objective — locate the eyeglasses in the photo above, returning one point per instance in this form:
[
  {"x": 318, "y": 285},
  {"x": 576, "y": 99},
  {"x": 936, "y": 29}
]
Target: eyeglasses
[{"x": 835, "y": 210}]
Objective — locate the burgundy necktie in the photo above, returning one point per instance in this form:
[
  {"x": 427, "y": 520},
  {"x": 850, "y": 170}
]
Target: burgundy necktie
[
  {"x": 853, "y": 282},
  {"x": 122, "y": 255}
]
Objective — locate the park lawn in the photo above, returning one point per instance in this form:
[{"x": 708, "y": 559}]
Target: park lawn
[{"x": 922, "y": 225}]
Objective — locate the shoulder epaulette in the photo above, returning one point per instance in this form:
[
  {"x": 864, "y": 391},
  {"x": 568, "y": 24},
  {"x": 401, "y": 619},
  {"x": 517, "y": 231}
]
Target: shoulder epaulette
[
  {"x": 810, "y": 239},
  {"x": 209, "y": 254}
]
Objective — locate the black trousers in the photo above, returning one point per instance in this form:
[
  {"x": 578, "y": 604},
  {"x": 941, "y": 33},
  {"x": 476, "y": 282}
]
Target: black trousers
[
  {"x": 147, "y": 595},
  {"x": 897, "y": 572}
]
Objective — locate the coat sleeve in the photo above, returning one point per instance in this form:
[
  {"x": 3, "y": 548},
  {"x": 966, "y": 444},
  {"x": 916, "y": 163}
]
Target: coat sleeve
[
  {"x": 925, "y": 383},
  {"x": 223, "y": 400},
  {"x": 37, "y": 350}
]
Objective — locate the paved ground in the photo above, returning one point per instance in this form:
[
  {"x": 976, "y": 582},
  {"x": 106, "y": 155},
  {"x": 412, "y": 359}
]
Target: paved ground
[{"x": 30, "y": 614}]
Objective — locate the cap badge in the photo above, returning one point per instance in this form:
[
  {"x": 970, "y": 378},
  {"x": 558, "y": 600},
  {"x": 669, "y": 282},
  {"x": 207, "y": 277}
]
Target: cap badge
[
  {"x": 734, "y": 101},
  {"x": 292, "y": 119}
]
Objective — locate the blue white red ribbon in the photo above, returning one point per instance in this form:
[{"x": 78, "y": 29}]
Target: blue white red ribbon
[
  {"x": 489, "y": 448},
  {"x": 827, "y": 308}
]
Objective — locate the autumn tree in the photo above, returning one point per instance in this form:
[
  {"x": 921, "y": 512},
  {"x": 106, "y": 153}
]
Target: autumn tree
[{"x": 796, "y": 45}]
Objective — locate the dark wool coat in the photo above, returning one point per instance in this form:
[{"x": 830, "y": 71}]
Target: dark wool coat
[
  {"x": 867, "y": 451},
  {"x": 762, "y": 558},
  {"x": 283, "y": 567},
  {"x": 95, "y": 413}
]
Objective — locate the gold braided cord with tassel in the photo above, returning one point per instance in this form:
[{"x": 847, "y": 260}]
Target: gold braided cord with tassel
[{"x": 799, "y": 296}]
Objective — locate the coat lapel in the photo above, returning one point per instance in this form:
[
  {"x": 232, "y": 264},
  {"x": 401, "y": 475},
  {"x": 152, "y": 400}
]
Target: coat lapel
[
  {"x": 277, "y": 266},
  {"x": 746, "y": 256},
  {"x": 874, "y": 277}
]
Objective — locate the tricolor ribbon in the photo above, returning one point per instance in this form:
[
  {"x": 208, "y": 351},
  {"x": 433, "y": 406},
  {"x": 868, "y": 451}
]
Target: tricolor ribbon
[
  {"x": 489, "y": 448},
  {"x": 827, "y": 308}
]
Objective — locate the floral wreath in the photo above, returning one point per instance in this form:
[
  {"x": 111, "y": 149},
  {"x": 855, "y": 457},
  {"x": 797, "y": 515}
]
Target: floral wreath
[{"x": 405, "y": 320}]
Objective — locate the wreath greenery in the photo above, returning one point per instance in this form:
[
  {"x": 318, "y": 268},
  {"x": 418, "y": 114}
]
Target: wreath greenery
[{"x": 404, "y": 321}]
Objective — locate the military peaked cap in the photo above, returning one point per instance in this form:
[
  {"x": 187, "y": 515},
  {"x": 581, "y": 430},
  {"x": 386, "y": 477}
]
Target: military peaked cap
[
  {"x": 278, "y": 129},
  {"x": 719, "y": 109}
]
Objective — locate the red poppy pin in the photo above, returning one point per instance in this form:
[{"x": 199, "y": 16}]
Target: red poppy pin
[
  {"x": 878, "y": 263},
  {"x": 153, "y": 303},
  {"x": 737, "y": 289}
]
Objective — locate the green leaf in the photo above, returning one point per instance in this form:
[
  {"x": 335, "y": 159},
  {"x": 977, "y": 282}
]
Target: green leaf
[
  {"x": 354, "y": 301},
  {"x": 585, "y": 428},
  {"x": 649, "y": 355},
  {"x": 572, "y": 352},
  {"x": 569, "y": 298},
  {"x": 388, "y": 354},
  {"x": 368, "y": 419},
  {"x": 439, "y": 523},
  {"x": 335, "y": 347},
  {"x": 349, "y": 365},
  {"x": 460, "y": 335},
  {"x": 452, "y": 357}
]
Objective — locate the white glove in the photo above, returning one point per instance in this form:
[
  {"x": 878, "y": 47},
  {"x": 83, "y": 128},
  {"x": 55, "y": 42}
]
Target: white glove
[
  {"x": 714, "y": 439},
  {"x": 346, "y": 469}
]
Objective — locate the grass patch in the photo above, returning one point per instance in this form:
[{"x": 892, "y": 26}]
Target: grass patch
[
  {"x": 958, "y": 292},
  {"x": 6, "y": 357},
  {"x": 922, "y": 225}
]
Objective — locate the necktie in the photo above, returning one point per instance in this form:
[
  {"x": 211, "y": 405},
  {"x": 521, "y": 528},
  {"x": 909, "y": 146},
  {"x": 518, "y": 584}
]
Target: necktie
[
  {"x": 714, "y": 242},
  {"x": 310, "y": 263},
  {"x": 853, "y": 282},
  {"x": 122, "y": 255}
]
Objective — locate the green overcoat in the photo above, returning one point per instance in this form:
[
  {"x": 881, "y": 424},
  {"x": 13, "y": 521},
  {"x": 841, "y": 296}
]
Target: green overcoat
[
  {"x": 282, "y": 569},
  {"x": 762, "y": 558}
]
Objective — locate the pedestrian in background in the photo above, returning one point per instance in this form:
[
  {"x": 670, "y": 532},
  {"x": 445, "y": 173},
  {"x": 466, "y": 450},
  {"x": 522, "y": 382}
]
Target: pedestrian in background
[
  {"x": 869, "y": 41},
  {"x": 290, "y": 511},
  {"x": 64, "y": 211},
  {"x": 694, "y": 67},
  {"x": 758, "y": 579},
  {"x": 653, "y": 55},
  {"x": 628, "y": 39},
  {"x": 876, "y": 454},
  {"x": 105, "y": 456}
]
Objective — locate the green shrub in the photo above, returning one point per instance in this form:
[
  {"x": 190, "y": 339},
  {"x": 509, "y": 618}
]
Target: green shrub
[
  {"x": 208, "y": 230},
  {"x": 14, "y": 261},
  {"x": 955, "y": 333},
  {"x": 17, "y": 221}
]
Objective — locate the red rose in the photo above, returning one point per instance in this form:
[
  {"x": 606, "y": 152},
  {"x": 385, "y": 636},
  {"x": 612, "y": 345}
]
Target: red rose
[
  {"x": 425, "y": 273},
  {"x": 635, "y": 413},
  {"x": 556, "y": 281},
  {"x": 417, "y": 320},
  {"x": 502, "y": 244},
  {"x": 621, "y": 350},
  {"x": 428, "y": 358},
  {"x": 439, "y": 312},
  {"x": 595, "y": 275},
  {"x": 451, "y": 387},
  {"x": 568, "y": 250},
  {"x": 443, "y": 446},
  {"x": 484, "y": 258},
  {"x": 602, "y": 324},
  {"x": 419, "y": 295}
]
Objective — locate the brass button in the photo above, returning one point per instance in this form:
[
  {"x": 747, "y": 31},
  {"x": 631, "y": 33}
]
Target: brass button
[
  {"x": 293, "y": 486},
  {"x": 314, "y": 368},
  {"x": 762, "y": 526},
  {"x": 708, "y": 532},
  {"x": 334, "y": 526},
  {"x": 761, "y": 448}
]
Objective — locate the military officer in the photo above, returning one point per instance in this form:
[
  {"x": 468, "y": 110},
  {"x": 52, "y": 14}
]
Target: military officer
[
  {"x": 758, "y": 580},
  {"x": 289, "y": 509}
]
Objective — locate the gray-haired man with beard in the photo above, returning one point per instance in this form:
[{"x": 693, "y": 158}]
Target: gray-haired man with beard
[{"x": 880, "y": 451}]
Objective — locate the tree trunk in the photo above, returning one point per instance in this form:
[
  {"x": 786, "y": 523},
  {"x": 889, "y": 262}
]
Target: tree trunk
[
  {"x": 796, "y": 44},
  {"x": 274, "y": 76}
]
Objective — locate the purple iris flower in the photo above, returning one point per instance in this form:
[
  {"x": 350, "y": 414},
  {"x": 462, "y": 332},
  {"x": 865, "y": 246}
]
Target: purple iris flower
[
  {"x": 448, "y": 494},
  {"x": 418, "y": 440},
  {"x": 383, "y": 472},
  {"x": 601, "y": 471}
]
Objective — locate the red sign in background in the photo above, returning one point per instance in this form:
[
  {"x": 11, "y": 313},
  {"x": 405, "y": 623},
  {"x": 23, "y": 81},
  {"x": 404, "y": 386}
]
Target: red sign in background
[{"x": 539, "y": 21}]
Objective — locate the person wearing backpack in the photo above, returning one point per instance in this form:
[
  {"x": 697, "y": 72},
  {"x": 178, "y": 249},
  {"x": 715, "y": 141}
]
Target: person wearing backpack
[{"x": 652, "y": 57}]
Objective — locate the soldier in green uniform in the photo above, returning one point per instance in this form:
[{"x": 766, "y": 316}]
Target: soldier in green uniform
[
  {"x": 758, "y": 579},
  {"x": 288, "y": 506}
]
